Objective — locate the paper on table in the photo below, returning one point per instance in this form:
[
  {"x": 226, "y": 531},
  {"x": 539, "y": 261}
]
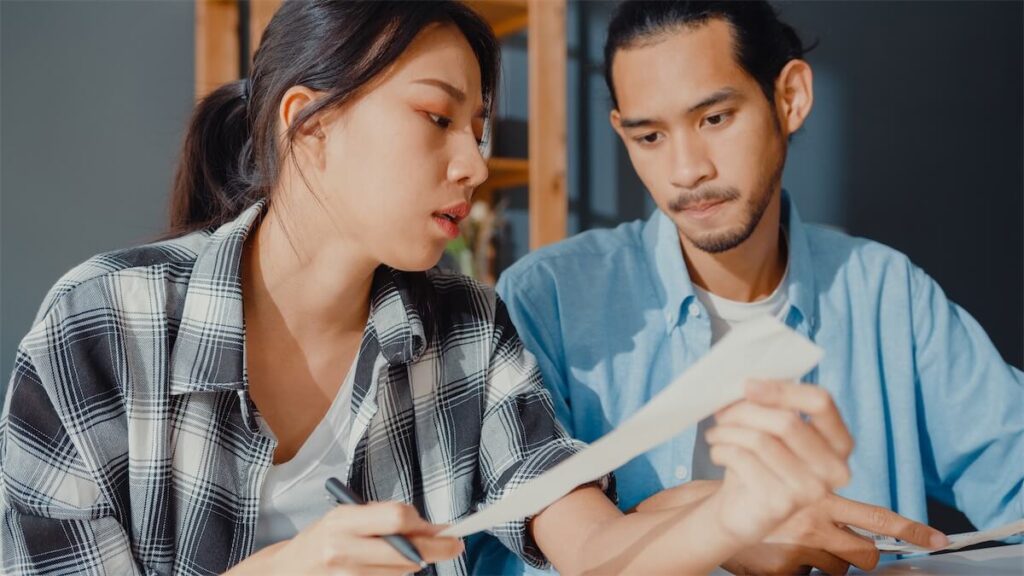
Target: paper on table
[
  {"x": 890, "y": 545},
  {"x": 760, "y": 349}
]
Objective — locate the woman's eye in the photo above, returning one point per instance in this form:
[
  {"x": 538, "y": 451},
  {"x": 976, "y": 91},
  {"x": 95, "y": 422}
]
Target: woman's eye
[{"x": 442, "y": 121}]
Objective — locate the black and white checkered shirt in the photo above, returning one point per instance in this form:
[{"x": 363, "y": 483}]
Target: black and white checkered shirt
[{"x": 129, "y": 444}]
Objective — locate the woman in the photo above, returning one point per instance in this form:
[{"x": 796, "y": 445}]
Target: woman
[{"x": 176, "y": 407}]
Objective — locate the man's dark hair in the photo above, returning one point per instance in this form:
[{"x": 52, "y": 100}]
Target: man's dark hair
[{"x": 762, "y": 43}]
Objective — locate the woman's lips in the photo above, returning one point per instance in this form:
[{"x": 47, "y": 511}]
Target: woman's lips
[
  {"x": 448, "y": 226},
  {"x": 448, "y": 218}
]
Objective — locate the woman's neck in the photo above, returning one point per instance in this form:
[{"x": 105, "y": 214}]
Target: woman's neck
[{"x": 293, "y": 280}]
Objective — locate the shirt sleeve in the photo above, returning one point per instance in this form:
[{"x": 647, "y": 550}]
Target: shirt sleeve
[
  {"x": 520, "y": 437},
  {"x": 971, "y": 409},
  {"x": 533, "y": 308},
  {"x": 56, "y": 518}
]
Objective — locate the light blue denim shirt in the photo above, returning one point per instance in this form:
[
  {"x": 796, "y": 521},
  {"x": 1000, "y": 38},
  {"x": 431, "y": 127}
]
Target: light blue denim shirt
[{"x": 612, "y": 317}]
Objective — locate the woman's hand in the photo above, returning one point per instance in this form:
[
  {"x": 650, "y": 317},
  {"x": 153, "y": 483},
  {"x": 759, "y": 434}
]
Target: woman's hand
[
  {"x": 347, "y": 541},
  {"x": 776, "y": 461}
]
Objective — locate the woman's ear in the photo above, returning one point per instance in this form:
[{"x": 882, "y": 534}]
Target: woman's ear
[{"x": 310, "y": 137}]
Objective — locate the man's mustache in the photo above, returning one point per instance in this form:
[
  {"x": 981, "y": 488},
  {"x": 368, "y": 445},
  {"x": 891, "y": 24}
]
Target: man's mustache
[{"x": 707, "y": 195}]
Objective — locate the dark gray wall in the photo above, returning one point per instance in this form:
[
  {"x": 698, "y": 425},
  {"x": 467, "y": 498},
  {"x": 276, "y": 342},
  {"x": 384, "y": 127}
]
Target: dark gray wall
[
  {"x": 916, "y": 140},
  {"x": 94, "y": 97}
]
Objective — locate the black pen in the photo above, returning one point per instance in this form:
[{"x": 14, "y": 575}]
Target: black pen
[{"x": 344, "y": 495}]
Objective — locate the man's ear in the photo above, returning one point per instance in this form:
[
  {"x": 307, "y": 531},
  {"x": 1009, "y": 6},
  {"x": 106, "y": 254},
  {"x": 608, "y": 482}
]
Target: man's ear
[
  {"x": 616, "y": 121},
  {"x": 794, "y": 95}
]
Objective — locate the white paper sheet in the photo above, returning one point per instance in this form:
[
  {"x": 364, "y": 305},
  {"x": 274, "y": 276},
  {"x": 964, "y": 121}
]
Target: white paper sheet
[
  {"x": 890, "y": 545},
  {"x": 760, "y": 349}
]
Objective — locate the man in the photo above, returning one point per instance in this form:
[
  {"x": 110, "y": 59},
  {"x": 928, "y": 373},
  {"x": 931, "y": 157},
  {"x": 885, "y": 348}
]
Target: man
[{"x": 705, "y": 97}]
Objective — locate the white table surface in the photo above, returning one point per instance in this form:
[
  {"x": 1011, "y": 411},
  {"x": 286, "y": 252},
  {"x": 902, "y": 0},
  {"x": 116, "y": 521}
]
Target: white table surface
[{"x": 998, "y": 561}]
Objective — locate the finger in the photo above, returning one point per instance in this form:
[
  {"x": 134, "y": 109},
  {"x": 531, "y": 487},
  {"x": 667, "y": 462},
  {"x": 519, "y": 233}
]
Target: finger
[
  {"x": 745, "y": 466},
  {"x": 885, "y": 522},
  {"x": 801, "y": 438},
  {"x": 825, "y": 562},
  {"x": 852, "y": 547},
  {"x": 377, "y": 519},
  {"x": 812, "y": 400},
  {"x": 354, "y": 554},
  {"x": 774, "y": 455},
  {"x": 429, "y": 530},
  {"x": 436, "y": 549},
  {"x": 803, "y": 559},
  {"x": 761, "y": 483},
  {"x": 373, "y": 571},
  {"x": 378, "y": 552}
]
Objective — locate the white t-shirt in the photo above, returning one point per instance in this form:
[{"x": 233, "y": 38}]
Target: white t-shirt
[
  {"x": 293, "y": 494},
  {"x": 725, "y": 314}
]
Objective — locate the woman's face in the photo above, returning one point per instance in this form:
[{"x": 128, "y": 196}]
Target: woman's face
[{"x": 396, "y": 167}]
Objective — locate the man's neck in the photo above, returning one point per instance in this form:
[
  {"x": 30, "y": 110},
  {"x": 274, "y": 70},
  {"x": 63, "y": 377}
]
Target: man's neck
[{"x": 748, "y": 272}]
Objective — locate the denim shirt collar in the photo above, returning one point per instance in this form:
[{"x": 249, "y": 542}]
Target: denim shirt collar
[{"x": 671, "y": 278}]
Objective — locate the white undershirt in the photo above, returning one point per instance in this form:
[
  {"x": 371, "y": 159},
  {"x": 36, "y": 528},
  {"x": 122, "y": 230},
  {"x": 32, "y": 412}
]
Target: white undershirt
[
  {"x": 726, "y": 314},
  {"x": 293, "y": 494}
]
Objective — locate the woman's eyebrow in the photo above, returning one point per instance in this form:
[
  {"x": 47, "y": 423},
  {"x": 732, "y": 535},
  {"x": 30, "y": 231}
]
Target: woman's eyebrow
[{"x": 458, "y": 95}]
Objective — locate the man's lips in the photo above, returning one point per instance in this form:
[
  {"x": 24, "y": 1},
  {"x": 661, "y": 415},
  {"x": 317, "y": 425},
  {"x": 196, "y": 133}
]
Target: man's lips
[{"x": 702, "y": 207}]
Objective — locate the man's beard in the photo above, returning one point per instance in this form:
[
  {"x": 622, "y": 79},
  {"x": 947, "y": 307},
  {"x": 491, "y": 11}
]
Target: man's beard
[{"x": 756, "y": 205}]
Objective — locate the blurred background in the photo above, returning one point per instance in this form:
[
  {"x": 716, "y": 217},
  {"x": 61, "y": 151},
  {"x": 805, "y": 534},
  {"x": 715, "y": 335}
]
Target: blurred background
[{"x": 916, "y": 138}]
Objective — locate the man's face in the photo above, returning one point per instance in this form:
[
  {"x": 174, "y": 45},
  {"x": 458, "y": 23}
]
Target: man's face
[{"x": 700, "y": 133}]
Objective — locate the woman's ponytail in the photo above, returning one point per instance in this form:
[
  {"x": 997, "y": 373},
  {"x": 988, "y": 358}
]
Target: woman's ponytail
[{"x": 214, "y": 180}]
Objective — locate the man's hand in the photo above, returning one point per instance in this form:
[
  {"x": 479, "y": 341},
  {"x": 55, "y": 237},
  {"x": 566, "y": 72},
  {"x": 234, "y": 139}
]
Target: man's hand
[{"x": 819, "y": 537}]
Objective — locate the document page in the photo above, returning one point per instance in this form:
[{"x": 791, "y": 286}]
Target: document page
[{"x": 763, "y": 349}]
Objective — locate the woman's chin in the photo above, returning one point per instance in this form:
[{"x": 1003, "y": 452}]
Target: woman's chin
[{"x": 417, "y": 262}]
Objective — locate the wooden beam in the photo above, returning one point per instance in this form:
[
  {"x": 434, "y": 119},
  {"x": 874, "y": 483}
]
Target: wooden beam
[
  {"x": 260, "y": 13},
  {"x": 505, "y": 16},
  {"x": 216, "y": 44},
  {"x": 546, "y": 54}
]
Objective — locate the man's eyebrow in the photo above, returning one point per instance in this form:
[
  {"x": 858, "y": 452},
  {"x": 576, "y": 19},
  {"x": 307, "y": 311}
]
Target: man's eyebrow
[
  {"x": 715, "y": 98},
  {"x": 458, "y": 95},
  {"x": 635, "y": 122}
]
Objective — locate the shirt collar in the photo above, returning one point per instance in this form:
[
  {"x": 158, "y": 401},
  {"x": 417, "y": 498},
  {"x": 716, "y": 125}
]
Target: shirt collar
[
  {"x": 671, "y": 278},
  {"x": 801, "y": 288},
  {"x": 209, "y": 349}
]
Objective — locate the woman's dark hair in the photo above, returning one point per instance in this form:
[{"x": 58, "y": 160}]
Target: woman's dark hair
[
  {"x": 763, "y": 44},
  {"x": 231, "y": 157}
]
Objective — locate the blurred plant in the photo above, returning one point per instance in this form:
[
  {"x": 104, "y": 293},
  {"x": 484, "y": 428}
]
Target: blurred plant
[{"x": 473, "y": 252}]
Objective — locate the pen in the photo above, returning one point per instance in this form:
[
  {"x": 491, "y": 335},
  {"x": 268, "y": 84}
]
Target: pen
[{"x": 344, "y": 495}]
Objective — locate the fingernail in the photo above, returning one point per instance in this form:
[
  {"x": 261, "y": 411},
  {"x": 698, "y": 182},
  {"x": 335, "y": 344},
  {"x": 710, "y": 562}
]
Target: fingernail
[{"x": 938, "y": 540}]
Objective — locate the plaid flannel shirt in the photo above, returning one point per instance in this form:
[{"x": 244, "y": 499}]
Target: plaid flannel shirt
[{"x": 129, "y": 444}]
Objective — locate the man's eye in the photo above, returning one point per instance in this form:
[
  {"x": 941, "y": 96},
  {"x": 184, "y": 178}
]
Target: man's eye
[
  {"x": 716, "y": 119},
  {"x": 441, "y": 121},
  {"x": 649, "y": 138}
]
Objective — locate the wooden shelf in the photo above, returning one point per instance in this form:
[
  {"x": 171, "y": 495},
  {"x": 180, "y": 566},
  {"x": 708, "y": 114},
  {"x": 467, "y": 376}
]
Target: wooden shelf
[
  {"x": 544, "y": 21},
  {"x": 507, "y": 173},
  {"x": 216, "y": 44},
  {"x": 505, "y": 16}
]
